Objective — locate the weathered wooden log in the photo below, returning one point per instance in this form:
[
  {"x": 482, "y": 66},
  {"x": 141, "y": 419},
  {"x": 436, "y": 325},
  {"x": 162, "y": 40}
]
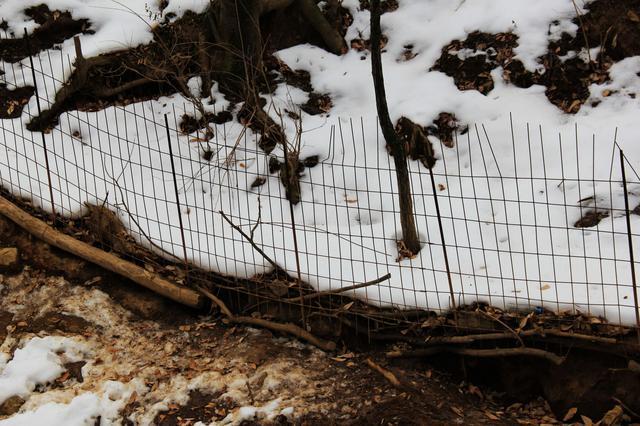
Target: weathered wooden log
[{"x": 153, "y": 282}]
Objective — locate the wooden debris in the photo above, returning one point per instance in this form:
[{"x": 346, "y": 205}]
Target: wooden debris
[
  {"x": 139, "y": 275},
  {"x": 289, "y": 328},
  {"x": 480, "y": 353},
  {"x": 385, "y": 373}
]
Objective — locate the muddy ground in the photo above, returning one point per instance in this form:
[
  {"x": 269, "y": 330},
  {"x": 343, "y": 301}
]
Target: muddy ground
[{"x": 197, "y": 368}]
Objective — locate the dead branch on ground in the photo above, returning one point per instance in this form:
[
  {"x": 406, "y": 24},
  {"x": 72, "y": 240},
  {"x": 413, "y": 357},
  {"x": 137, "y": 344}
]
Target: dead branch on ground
[
  {"x": 479, "y": 353},
  {"x": 385, "y": 373},
  {"x": 319, "y": 294},
  {"x": 288, "y": 328},
  {"x": 108, "y": 261}
]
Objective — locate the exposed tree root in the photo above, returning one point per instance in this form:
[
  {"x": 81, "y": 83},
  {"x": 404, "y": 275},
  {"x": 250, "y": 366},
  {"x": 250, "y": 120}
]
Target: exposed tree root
[
  {"x": 480, "y": 353},
  {"x": 385, "y": 373},
  {"x": 289, "y": 328}
]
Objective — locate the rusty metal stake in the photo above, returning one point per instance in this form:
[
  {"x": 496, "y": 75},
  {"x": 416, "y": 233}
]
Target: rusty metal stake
[
  {"x": 444, "y": 245},
  {"x": 175, "y": 187},
  {"x": 634, "y": 280}
]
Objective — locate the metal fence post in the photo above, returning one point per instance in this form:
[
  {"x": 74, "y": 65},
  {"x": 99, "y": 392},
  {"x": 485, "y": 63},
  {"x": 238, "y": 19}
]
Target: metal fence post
[
  {"x": 175, "y": 187},
  {"x": 444, "y": 245},
  {"x": 634, "y": 280},
  {"x": 44, "y": 143}
]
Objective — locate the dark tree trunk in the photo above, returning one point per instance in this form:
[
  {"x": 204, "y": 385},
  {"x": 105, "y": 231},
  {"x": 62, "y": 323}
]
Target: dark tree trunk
[
  {"x": 407, "y": 221},
  {"x": 237, "y": 43}
]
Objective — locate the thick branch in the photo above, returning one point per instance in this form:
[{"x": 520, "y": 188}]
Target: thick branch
[
  {"x": 94, "y": 255},
  {"x": 330, "y": 35},
  {"x": 289, "y": 328},
  {"x": 114, "y": 91}
]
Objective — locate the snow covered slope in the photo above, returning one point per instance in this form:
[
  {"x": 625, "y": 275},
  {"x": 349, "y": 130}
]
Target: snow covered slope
[{"x": 517, "y": 244}]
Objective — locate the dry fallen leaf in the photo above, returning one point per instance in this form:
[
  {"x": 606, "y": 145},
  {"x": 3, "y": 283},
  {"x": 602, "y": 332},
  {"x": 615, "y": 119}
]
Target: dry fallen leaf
[
  {"x": 612, "y": 417},
  {"x": 572, "y": 412},
  {"x": 586, "y": 421},
  {"x": 350, "y": 200},
  {"x": 457, "y": 411},
  {"x": 491, "y": 416},
  {"x": 474, "y": 390}
]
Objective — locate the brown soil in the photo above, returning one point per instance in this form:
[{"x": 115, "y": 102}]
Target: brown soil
[
  {"x": 13, "y": 101},
  {"x": 609, "y": 24},
  {"x": 317, "y": 104},
  {"x": 322, "y": 389},
  {"x": 125, "y": 66},
  {"x": 445, "y": 127},
  {"x": 348, "y": 391},
  {"x": 54, "y": 27},
  {"x": 591, "y": 219},
  {"x": 473, "y": 73},
  {"x": 281, "y": 29}
]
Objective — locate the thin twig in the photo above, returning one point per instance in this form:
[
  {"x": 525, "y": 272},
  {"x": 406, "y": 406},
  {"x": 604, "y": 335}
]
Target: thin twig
[
  {"x": 258, "y": 220},
  {"x": 319, "y": 294},
  {"x": 502, "y": 323},
  {"x": 219, "y": 303},
  {"x": 626, "y": 408},
  {"x": 135, "y": 222},
  {"x": 472, "y": 338},
  {"x": 584, "y": 32},
  {"x": 288, "y": 328},
  {"x": 385, "y": 373},
  {"x": 250, "y": 240}
]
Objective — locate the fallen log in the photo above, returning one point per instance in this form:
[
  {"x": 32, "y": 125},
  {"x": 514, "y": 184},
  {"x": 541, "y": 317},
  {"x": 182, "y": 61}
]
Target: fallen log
[
  {"x": 479, "y": 353},
  {"x": 153, "y": 282}
]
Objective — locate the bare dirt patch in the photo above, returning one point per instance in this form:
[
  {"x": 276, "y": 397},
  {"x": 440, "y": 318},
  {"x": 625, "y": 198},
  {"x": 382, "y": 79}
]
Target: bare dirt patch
[
  {"x": 471, "y": 61},
  {"x": 203, "y": 370},
  {"x": 568, "y": 69},
  {"x": 55, "y": 26},
  {"x": 13, "y": 101},
  {"x": 197, "y": 368}
]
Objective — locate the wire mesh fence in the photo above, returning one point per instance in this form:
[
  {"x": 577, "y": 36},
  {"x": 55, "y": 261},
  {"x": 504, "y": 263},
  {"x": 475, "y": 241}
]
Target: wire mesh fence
[{"x": 527, "y": 224}]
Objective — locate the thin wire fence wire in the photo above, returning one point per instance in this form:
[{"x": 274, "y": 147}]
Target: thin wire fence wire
[{"x": 531, "y": 229}]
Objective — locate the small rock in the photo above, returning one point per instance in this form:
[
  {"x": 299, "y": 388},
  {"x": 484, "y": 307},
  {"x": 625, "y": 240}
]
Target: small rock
[
  {"x": 8, "y": 258},
  {"x": 11, "y": 405},
  {"x": 169, "y": 348}
]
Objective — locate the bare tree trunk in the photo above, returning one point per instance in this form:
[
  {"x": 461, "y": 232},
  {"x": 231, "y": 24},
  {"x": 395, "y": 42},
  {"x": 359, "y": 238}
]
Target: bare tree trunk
[
  {"x": 407, "y": 221},
  {"x": 236, "y": 24}
]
